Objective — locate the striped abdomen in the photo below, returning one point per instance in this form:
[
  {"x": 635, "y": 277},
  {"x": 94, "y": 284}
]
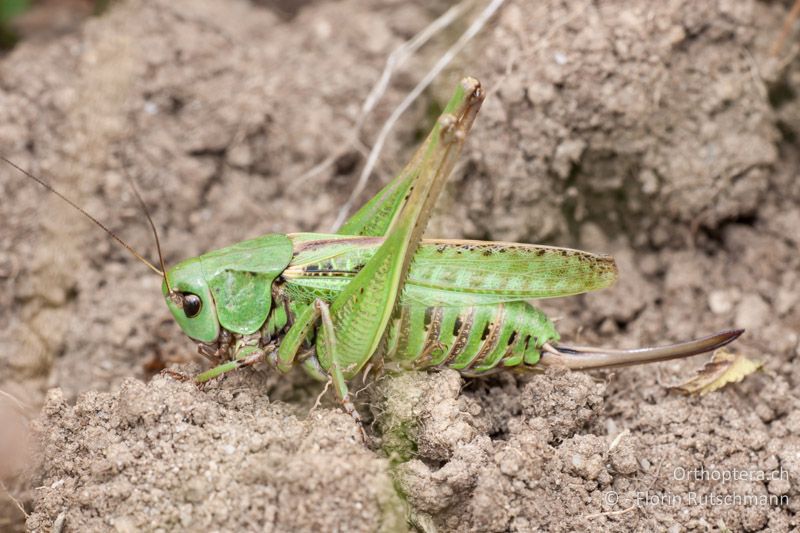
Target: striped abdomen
[{"x": 469, "y": 339}]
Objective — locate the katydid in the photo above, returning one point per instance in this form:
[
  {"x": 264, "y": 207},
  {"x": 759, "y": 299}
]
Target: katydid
[{"x": 377, "y": 295}]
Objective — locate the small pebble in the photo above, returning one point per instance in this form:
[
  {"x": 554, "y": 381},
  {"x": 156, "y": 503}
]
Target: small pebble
[
  {"x": 720, "y": 302},
  {"x": 753, "y": 312}
]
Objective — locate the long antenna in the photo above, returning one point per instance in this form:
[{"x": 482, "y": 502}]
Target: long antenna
[
  {"x": 142, "y": 203},
  {"x": 90, "y": 217}
]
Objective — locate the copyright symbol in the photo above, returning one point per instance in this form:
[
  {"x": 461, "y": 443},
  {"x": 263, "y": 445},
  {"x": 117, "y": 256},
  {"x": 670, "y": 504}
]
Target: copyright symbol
[{"x": 611, "y": 498}]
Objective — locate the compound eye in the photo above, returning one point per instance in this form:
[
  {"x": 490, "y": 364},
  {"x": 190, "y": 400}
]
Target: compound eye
[{"x": 191, "y": 305}]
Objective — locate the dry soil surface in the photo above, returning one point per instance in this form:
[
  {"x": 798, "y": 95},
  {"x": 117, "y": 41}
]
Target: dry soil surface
[{"x": 661, "y": 132}]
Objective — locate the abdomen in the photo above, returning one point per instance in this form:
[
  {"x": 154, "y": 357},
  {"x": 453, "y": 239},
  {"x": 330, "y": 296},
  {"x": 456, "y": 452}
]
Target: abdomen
[{"x": 472, "y": 340}]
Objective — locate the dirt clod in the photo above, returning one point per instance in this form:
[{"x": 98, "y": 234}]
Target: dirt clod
[{"x": 226, "y": 455}]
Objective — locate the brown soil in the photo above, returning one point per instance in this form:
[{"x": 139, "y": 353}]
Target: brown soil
[{"x": 662, "y": 133}]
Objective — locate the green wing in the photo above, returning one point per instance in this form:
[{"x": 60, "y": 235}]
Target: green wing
[
  {"x": 451, "y": 273},
  {"x": 461, "y": 272},
  {"x": 363, "y": 308}
]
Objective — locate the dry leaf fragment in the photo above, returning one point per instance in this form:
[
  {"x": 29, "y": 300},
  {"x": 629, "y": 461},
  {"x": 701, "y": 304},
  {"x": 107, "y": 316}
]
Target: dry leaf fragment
[{"x": 723, "y": 368}]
